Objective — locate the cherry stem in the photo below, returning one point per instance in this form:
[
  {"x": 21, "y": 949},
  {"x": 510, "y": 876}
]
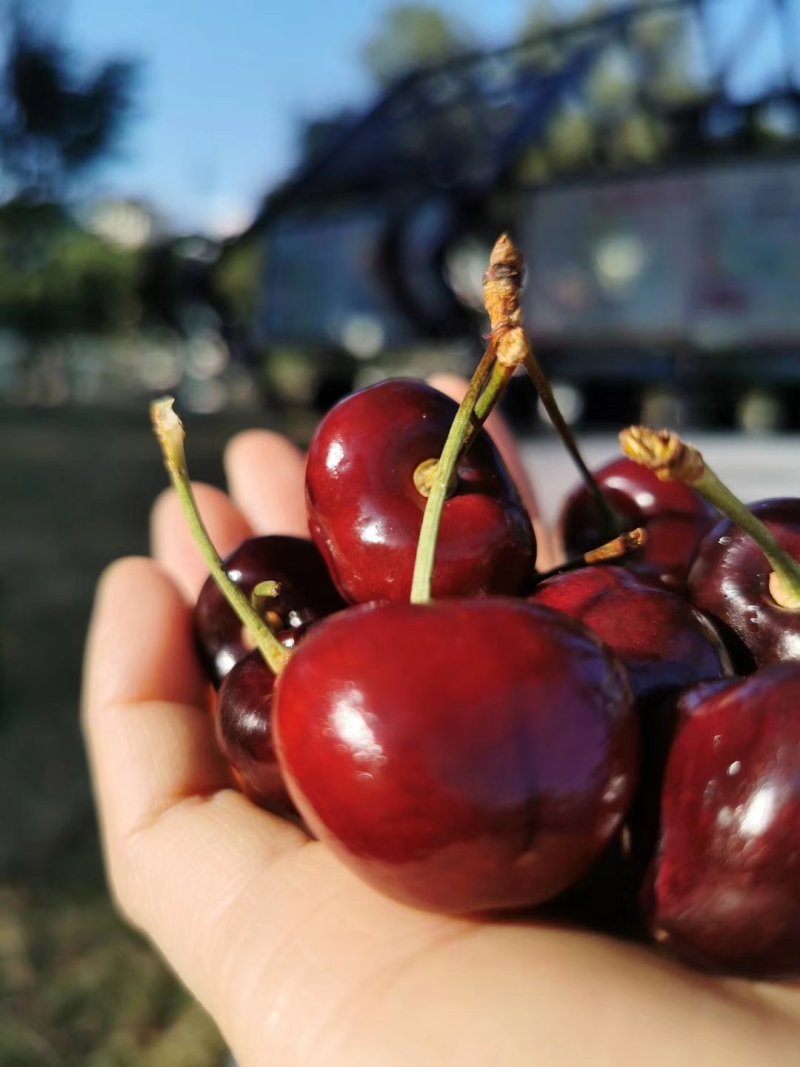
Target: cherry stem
[
  {"x": 617, "y": 548},
  {"x": 613, "y": 522},
  {"x": 508, "y": 349},
  {"x": 262, "y": 597},
  {"x": 501, "y": 358},
  {"x": 443, "y": 473},
  {"x": 170, "y": 433},
  {"x": 674, "y": 460},
  {"x": 505, "y": 353}
]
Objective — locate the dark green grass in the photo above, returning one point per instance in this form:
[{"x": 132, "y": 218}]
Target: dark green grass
[{"x": 76, "y": 986}]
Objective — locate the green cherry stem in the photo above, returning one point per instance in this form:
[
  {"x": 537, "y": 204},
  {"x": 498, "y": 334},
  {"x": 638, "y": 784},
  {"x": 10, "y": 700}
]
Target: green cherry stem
[
  {"x": 674, "y": 460},
  {"x": 501, "y": 358},
  {"x": 171, "y": 435},
  {"x": 505, "y": 355},
  {"x": 442, "y": 477}
]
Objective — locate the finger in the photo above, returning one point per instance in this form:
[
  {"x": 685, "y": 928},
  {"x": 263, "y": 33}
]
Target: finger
[
  {"x": 180, "y": 846},
  {"x": 455, "y": 387},
  {"x": 172, "y": 542},
  {"x": 144, "y": 699},
  {"x": 266, "y": 477},
  {"x": 547, "y": 552}
]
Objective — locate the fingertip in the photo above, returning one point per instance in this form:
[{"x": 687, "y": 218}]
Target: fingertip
[
  {"x": 140, "y": 643},
  {"x": 120, "y": 574},
  {"x": 173, "y": 544},
  {"x": 120, "y": 571},
  {"x": 266, "y": 476},
  {"x": 254, "y": 443},
  {"x": 454, "y": 386},
  {"x": 548, "y": 554}
]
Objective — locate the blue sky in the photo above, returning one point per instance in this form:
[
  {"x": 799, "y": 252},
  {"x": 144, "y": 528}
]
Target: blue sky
[{"x": 224, "y": 83}]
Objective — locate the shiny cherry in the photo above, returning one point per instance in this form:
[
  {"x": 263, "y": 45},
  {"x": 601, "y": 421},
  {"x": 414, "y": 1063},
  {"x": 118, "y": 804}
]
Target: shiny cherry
[
  {"x": 725, "y": 892},
  {"x": 243, "y": 726},
  {"x": 306, "y": 593},
  {"x": 729, "y": 581},
  {"x": 365, "y": 509},
  {"x": 674, "y": 516},
  {"x": 464, "y": 755},
  {"x": 665, "y": 645}
]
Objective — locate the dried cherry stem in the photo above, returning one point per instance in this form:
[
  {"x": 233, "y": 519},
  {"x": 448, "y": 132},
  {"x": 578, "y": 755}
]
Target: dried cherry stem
[
  {"x": 171, "y": 435},
  {"x": 618, "y": 548},
  {"x": 506, "y": 351},
  {"x": 672, "y": 459},
  {"x": 501, "y": 285}
]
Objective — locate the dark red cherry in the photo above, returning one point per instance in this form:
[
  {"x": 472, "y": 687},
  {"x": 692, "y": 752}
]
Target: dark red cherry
[
  {"x": 674, "y": 516},
  {"x": 365, "y": 509},
  {"x": 729, "y": 581},
  {"x": 665, "y": 645},
  {"x": 243, "y": 726},
  {"x": 464, "y": 755},
  {"x": 306, "y": 594},
  {"x": 726, "y": 885}
]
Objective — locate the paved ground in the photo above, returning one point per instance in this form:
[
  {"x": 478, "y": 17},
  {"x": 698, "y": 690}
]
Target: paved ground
[
  {"x": 76, "y": 493},
  {"x": 76, "y": 987}
]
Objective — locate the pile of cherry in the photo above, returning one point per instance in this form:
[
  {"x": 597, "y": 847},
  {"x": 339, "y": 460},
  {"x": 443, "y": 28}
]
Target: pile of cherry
[
  {"x": 580, "y": 740},
  {"x": 615, "y": 744}
]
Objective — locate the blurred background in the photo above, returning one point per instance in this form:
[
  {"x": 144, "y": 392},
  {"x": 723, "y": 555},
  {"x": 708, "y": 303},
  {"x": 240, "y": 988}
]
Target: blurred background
[{"x": 259, "y": 207}]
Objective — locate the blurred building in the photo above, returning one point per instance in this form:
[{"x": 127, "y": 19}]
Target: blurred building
[{"x": 646, "y": 160}]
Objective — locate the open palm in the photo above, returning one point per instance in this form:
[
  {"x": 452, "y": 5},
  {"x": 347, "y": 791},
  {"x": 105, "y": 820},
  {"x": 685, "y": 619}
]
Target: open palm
[{"x": 299, "y": 962}]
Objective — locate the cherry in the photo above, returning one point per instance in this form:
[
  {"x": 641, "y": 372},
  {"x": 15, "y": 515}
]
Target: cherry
[
  {"x": 365, "y": 508},
  {"x": 725, "y": 891},
  {"x": 243, "y": 726},
  {"x": 665, "y": 645},
  {"x": 674, "y": 516},
  {"x": 746, "y": 573},
  {"x": 306, "y": 593},
  {"x": 463, "y": 755},
  {"x": 730, "y": 581}
]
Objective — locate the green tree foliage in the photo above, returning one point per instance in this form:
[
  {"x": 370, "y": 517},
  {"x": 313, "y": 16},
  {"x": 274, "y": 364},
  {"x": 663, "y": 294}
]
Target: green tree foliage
[
  {"x": 56, "y": 278},
  {"x": 57, "y": 117},
  {"x": 413, "y": 36},
  {"x": 620, "y": 116}
]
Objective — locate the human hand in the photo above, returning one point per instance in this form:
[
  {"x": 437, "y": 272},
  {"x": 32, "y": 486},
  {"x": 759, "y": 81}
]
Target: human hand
[{"x": 298, "y": 961}]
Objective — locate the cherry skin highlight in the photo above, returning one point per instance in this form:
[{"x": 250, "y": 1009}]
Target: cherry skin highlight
[
  {"x": 365, "y": 510},
  {"x": 461, "y": 756},
  {"x": 674, "y": 516},
  {"x": 306, "y": 593}
]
